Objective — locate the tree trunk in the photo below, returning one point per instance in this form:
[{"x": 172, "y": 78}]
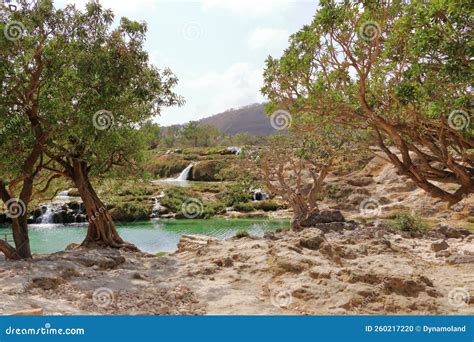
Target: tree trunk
[
  {"x": 301, "y": 211},
  {"x": 20, "y": 236},
  {"x": 101, "y": 230},
  {"x": 9, "y": 252},
  {"x": 19, "y": 225}
]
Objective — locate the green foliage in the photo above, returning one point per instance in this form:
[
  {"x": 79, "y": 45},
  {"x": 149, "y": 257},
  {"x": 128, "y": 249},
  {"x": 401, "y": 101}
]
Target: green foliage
[
  {"x": 389, "y": 73},
  {"x": 130, "y": 211},
  {"x": 195, "y": 134},
  {"x": 175, "y": 197},
  {"x": 165, "y": 167},
  {"x": 407, "y": 222},
  {"x": 268, "y": 205},
  {"x": 212, "y": 209},
  {"x": 239, "y": 192},
  {"x": 244, "y": 207}
]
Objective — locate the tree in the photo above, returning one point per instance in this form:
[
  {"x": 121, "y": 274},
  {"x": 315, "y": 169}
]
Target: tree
[
  {"x": 400, "y": 71},
  {"x": 95, "y": 89},
  {"x": 152, "y": 132},
  {"x": 22, "y": 136},
  {"x": 190, "y": 133},
  {"x": 196, "y": 134},
  {"x": 296, "y": 165}
]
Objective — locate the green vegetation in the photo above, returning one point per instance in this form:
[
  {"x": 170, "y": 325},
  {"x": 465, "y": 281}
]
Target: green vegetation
[
  {"x": 407, "y": 222},
  {"x": 397, "y": 71}
]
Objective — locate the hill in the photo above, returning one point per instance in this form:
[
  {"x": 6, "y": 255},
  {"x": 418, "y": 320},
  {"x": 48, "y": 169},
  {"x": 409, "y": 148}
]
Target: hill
[{"x": 251, "y": 119}]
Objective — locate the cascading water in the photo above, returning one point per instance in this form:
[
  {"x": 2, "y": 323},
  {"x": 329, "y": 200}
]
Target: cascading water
[
  {"x": 181, "y": 180},
  {"x": 184, "y": 176},
  {"x": 155, "y": 212},
  {"x": 48, "y": 215},
  {"x": 63, "y": 196},
  {"x": 62, "y": 209}
]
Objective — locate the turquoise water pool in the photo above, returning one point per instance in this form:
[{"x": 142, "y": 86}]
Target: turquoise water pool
[{"x": 153, "y": 236}]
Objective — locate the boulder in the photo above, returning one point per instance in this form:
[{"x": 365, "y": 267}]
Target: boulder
[
  {"x": 325, "y": 216},
  {"x": 361, "y": 181},
  {"x": 460, "y": 259},
  {"x": 439, "y": 246},
  {"x": 453, "y": 233},
  {"x": 312, "y": 242}
]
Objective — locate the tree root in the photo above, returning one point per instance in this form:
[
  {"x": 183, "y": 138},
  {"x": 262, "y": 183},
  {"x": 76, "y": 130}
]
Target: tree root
[{"x": 8, "y": 250}]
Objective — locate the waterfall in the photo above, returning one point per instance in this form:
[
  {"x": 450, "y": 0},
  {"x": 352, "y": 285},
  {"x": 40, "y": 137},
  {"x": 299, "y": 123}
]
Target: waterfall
[
  {"x": 184, "y": 176},
  {"x": 63, "y": 196},
  {"x": 48, "y": 215},
  {"x": 155, "y": 212}
]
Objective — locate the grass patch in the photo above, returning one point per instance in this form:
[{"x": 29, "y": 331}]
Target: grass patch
[{"x": 407, "y": 222}]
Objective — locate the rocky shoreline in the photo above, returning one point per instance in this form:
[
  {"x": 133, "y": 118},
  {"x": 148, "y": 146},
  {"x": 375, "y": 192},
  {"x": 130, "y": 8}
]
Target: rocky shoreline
[{"x": 335, "y": 269}]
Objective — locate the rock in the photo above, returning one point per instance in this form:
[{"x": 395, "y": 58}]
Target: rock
[
  {"x": 103, "y": 259},
  {"x": 46, "y": 283},
  {"x": 460, "y": 259},
  {"x": 224, "y": 262},
  {"x": 439, "y": 246},
  {"x": 291, "y": 265},
  {"x": 139, "y": 276},
  {"x": 361, "y": 181},
  {"x": 270, "y": 236},
  {"x": 335, "y": 226},
  {"x": 313, "y": 242},
  {"x": 320, "y": 273},
  {"x": 453, "y": 233},
  {"x": 443, "y": 254},
  {"x": 32, "y": 312},
  {"x": 195, "y": 242},
  {"x": 409, "y": 287},
  {"x": 326, "y": 216}
]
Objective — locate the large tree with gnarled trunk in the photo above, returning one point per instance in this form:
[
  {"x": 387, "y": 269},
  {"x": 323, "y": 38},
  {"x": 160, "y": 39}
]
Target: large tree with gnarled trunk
[
  {"x": 95, "y": 88},
  {"x": 402, "y": 71}
]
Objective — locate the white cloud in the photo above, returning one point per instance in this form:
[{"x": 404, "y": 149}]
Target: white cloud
[
  {"x": 214, "y": 92},
  {"x": 247, "y": 7},
  {"x": 268, "y": 38},
  {"x": 118, "y": 6}
]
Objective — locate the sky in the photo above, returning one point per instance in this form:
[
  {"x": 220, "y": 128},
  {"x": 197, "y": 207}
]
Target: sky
[{"x": 216, "y": 48}]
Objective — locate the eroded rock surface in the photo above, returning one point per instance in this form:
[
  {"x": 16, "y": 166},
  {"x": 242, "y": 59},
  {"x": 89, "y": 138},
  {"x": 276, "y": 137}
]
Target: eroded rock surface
[{"x": 358, "y": 270}]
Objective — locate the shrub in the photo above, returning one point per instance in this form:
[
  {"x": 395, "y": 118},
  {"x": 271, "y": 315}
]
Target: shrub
[
  {"x": 130, "y": 211},
  {"x": 206, "y": 170},
  {"x": 175, "y": 197},
  {"x": 239, "y": 192},
  {"x": 407, "y": 222},
  {"x": 244, "y": 207},
  {"x": 267, "y": 205},
  {"x": 212, "y": 209}
]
